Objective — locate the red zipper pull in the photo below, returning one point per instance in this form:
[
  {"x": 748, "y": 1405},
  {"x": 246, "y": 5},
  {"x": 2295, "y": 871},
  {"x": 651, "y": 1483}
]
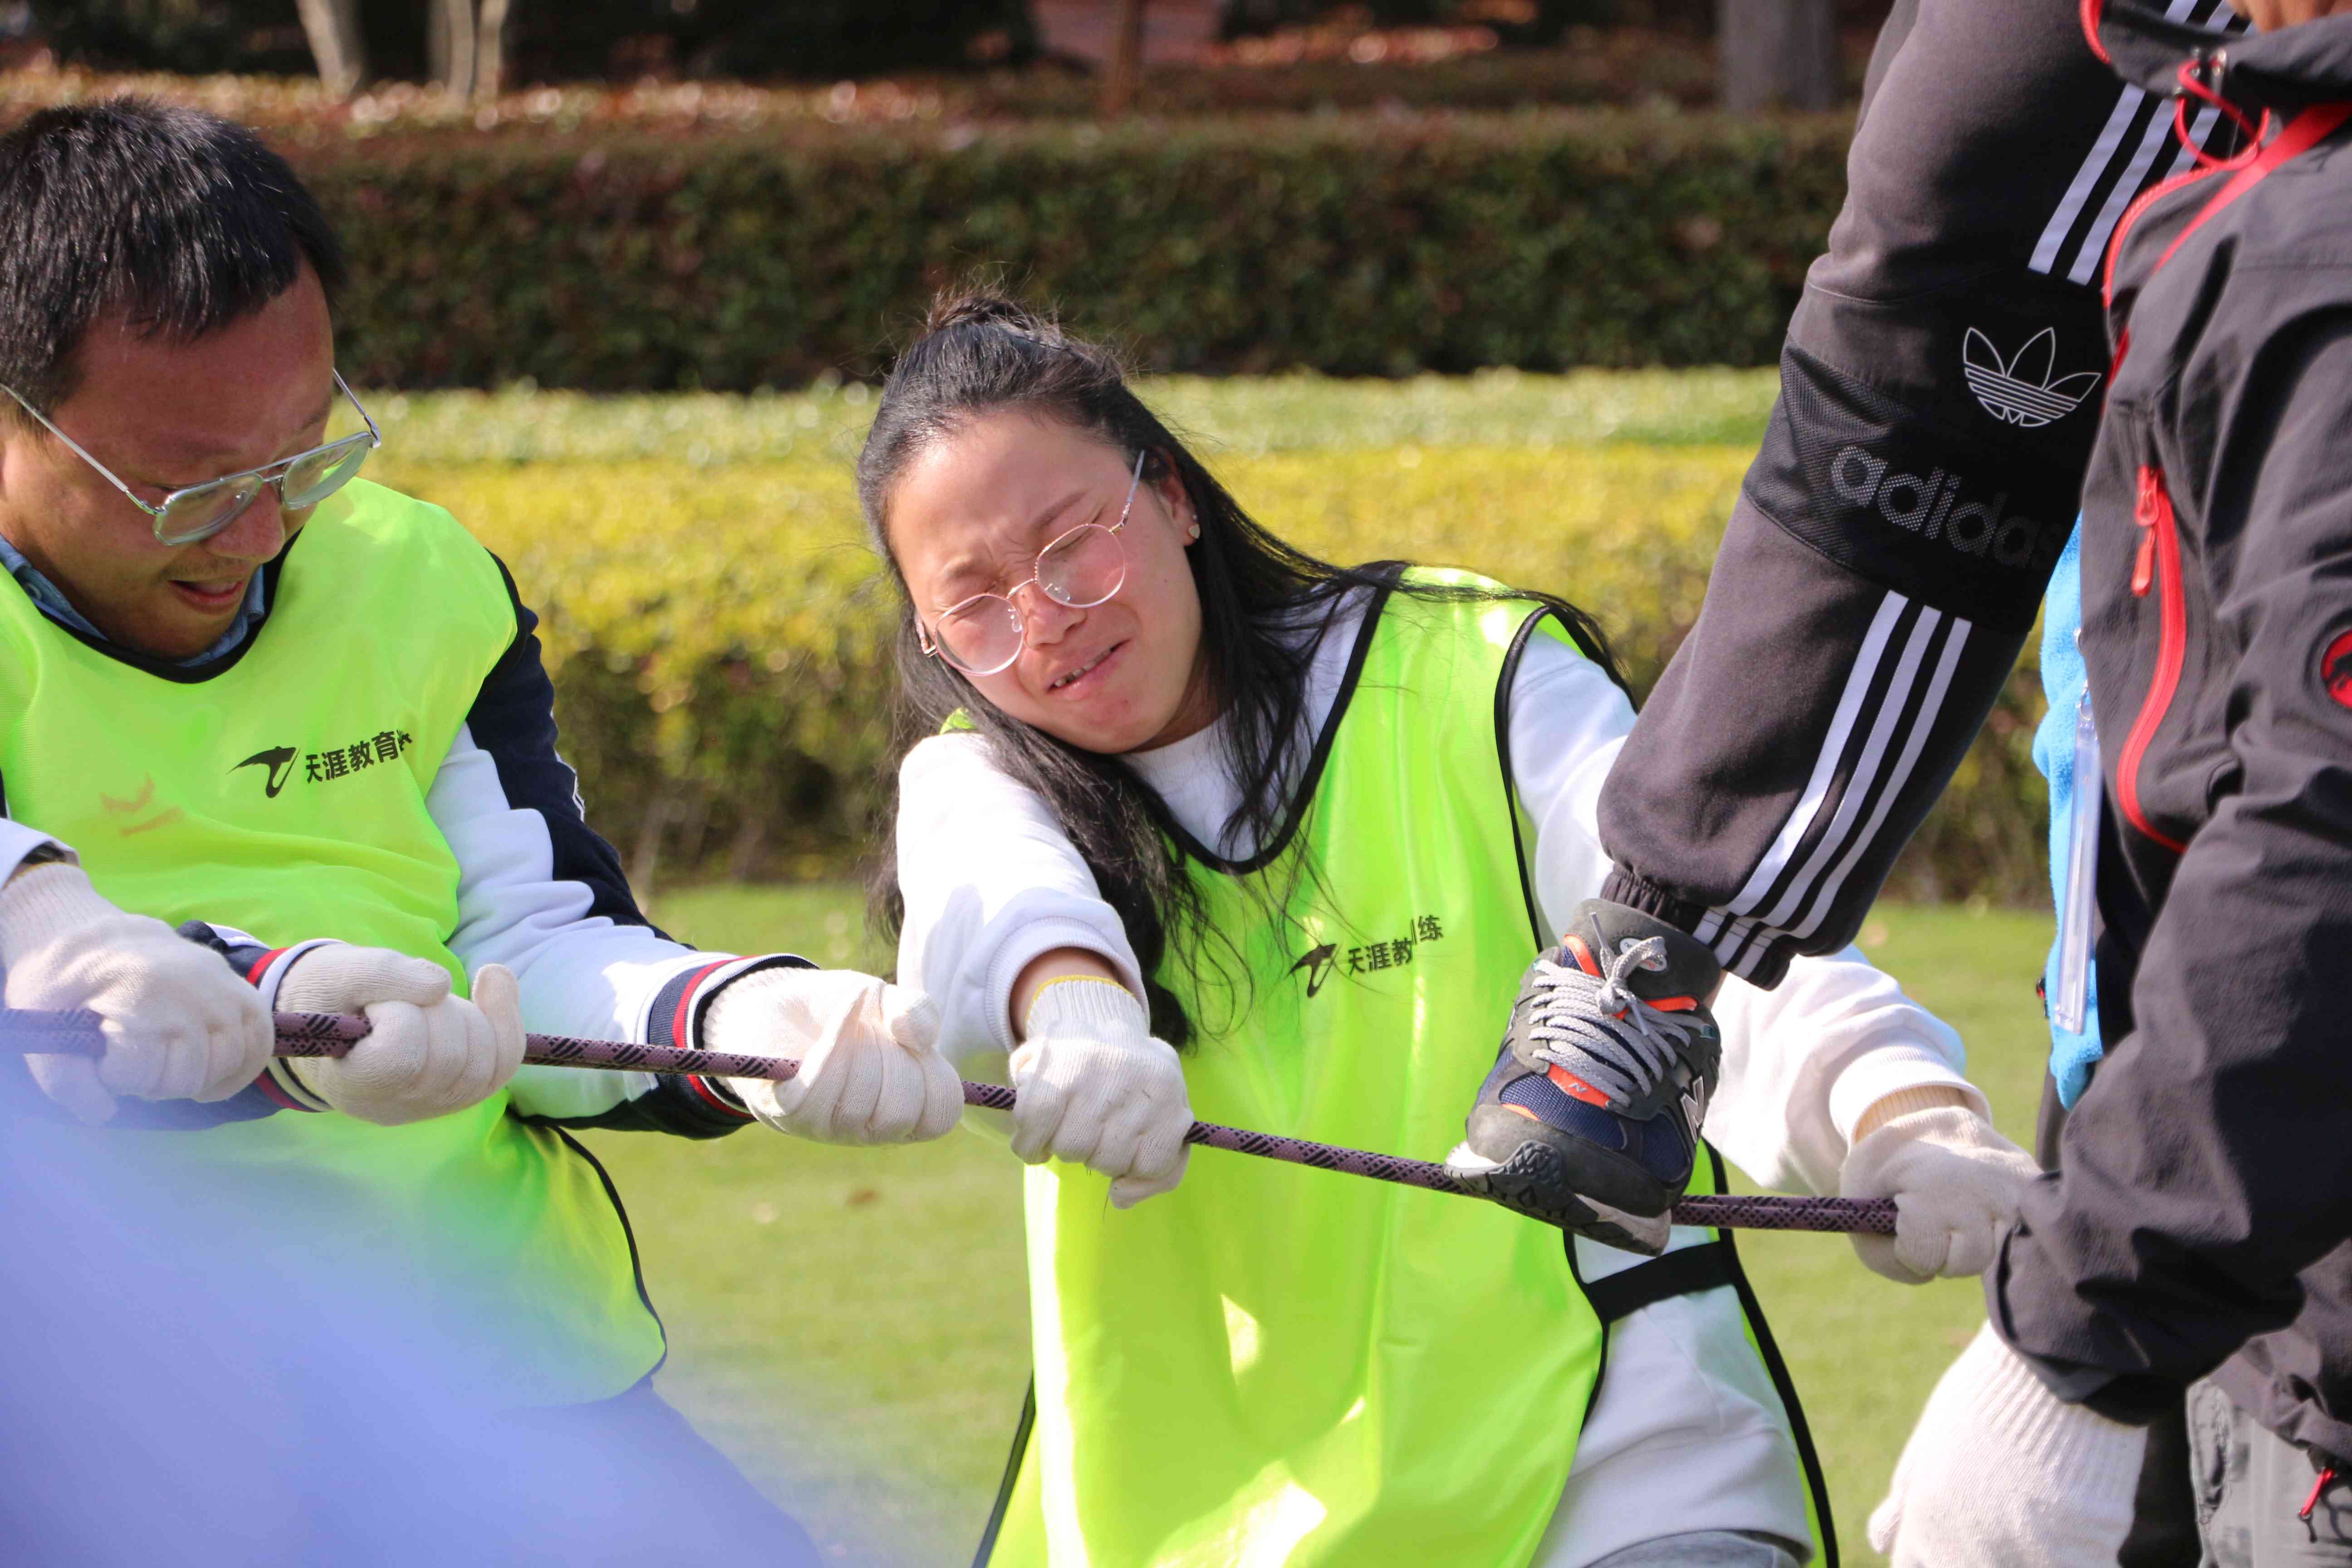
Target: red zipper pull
[
  {"x": 2327, "y": 1474},
  {"x": 2144, "y": 513}
]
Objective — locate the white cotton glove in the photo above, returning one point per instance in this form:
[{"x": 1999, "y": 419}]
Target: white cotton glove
[
  {"x": 428, "y": 1053},
  {"x": 179, "y": 1024},
  {"x": 2000, "y": 1474},
  {"x": 870, "y": 1068},
  {"x": 1095, "y": 1088},
  {"x": 1954, "y": 1182}
]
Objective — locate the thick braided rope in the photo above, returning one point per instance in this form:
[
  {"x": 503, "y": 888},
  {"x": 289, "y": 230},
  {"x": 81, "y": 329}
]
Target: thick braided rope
[{"x": 330, "y": 1035}]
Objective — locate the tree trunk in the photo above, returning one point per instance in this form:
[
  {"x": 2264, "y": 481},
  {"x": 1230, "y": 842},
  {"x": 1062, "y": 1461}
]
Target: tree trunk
[
  {"x": 1124, "y": 73},
  {"x": 660, "y": 812},
  {"x": 490, "y": 51},
  {"x": 1777, "y": 54},
  {"x": 333, "y": 29},
  {"x": 449, "y": 45}
]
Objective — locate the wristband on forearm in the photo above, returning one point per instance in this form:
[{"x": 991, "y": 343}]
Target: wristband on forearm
[
  {"x": 1086, "y": 999},
  {"x": 47, "y": 853}
]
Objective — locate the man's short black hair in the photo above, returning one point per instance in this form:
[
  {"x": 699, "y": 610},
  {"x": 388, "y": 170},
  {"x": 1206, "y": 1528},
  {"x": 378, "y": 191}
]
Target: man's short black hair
[{"x": 183, "y": 217}]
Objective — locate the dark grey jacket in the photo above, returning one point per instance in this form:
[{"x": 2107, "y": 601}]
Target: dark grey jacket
[{"x": 2205, "y": 1197}]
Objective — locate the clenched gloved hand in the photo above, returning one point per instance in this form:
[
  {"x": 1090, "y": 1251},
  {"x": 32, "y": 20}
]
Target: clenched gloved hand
[
  {"x": 179, "y": 1024},
  {"x": 2000, "y": 1473},
  {"x": 1954, "y": 1182},
  {"x": 870, "y": 1068},
  {"x": 428, "y": 1053},
  {"x": 1095, "y": 1088}
]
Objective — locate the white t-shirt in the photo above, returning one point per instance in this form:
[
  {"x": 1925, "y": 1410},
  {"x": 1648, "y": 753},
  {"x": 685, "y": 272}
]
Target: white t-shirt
[{"x": 1689, "y": 1433}]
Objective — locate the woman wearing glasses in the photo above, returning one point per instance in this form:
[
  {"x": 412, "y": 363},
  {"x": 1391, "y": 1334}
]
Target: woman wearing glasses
[{"x": 1216, "y": 826}]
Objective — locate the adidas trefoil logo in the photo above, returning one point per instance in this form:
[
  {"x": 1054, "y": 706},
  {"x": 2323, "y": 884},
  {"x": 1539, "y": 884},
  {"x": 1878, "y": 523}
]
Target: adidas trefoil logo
[{"x": 2019, "y": 390}]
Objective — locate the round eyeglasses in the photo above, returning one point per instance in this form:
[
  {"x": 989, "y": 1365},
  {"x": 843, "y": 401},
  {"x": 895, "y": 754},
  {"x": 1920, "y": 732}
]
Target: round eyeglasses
[
  {"x": 983, "y": 634},
  {"x": 198, "y": 511}
]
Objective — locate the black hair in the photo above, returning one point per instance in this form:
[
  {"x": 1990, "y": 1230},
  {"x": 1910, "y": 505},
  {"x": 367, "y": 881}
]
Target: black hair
[
  {"x": 979, "y": 352},
  {"x": 182, "y": 219}
]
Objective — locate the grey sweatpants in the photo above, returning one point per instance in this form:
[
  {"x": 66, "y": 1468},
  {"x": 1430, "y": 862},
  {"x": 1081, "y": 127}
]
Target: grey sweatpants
[
  {"x": 2252, "y": 1486},
  {"x": 1707, "y": 1549}
]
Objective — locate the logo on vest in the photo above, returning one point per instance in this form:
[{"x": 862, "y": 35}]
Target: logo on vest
[
  {"x": 1317, "y": 962},
  {"x": 278, "y": 760},
  {"x": 137, "y": 805},
  {"x": 326, "y": 766},
  {"x": 1930, "y": 505},
  {"x": 1321, "y": 962},
  {"x": 2025, "y": 390}
]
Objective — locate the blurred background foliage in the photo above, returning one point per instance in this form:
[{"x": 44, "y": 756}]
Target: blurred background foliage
[
  {"x": 568, "y": 41},
  {"x": 1417, "y": 205},
  {"x": 1620, "y": 66},
  {"x": 1350, "y": 244},
  {"x": 720, "y": 630},
  {"x": 547, "y": 40}
]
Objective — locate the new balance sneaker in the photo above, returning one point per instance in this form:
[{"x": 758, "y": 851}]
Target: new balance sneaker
[{"x": 1590, "y": 1117}]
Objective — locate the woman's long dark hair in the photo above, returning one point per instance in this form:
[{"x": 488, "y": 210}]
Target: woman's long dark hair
[{"x": 980, "y": 353}]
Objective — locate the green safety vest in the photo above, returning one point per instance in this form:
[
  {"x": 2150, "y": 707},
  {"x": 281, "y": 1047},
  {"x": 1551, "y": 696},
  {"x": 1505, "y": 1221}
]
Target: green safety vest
[
  {"x": 285, "y": 796},
  {"x": 1276, "y": 1365}
]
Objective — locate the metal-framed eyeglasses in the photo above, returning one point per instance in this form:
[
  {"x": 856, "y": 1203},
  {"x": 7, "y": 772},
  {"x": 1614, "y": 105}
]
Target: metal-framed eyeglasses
[
  {"x": 1079, "y": 570},
  {"x": 196, "y": 512}
]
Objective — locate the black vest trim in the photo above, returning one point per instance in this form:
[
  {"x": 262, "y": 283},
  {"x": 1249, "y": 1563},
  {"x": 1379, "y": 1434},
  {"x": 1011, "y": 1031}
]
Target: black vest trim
[{"x": 1685, "y": 1271}]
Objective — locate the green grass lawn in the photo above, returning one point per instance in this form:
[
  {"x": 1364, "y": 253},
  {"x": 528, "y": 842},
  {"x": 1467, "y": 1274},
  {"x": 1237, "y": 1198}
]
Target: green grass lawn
[{"x": 851, "y": 1324}]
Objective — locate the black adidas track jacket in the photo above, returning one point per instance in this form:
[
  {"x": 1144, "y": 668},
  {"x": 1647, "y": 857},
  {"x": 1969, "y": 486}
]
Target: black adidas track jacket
[
  {"x": 1940, "y": 385},
  {"x": 1882, "y": 566}
]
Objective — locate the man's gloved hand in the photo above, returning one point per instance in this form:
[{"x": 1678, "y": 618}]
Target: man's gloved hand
[
  {"x": 1955, "y": 1183},
  {"x": 428, "y": 1053},
  {"x": 179, "y": 1023},
  {"x": 2000, "y": 1474},
  {"x": 1097, "y": 1090},
  {"x": 870, "y": 1068}
]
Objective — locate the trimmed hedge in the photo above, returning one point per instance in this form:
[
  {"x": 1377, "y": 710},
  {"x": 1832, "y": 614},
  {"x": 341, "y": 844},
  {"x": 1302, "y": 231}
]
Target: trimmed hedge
[
  {"x": 719, "y": 631},
  {"x": 1353, "y": 245}
]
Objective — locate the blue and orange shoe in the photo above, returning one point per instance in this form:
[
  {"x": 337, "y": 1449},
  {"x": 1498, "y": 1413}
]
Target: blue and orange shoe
[{"x": 1590, "y": 1117}]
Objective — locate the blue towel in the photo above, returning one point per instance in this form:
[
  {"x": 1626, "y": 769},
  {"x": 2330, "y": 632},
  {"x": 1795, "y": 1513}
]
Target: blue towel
[{"x": 2071, "y": 1056}]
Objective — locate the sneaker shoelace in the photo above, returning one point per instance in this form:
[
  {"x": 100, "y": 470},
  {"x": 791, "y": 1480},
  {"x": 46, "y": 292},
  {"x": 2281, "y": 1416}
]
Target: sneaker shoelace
[{"x": 1597, "y": 1029}]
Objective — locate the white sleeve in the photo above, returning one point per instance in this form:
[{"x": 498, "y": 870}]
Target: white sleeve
[
  {"x": 990, "y": 883},
  {"x": 1567, "y": 721},
  {"x": 580, "y": 972},
  {"x": 1802, "y": 1063}
]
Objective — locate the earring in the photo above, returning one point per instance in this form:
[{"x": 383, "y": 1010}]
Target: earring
[{"x": 1192, "y": 533}]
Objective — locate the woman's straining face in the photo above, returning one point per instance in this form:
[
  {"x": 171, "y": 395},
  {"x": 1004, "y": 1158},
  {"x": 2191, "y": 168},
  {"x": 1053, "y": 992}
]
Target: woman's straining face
[{"x": 969, "y": 516}]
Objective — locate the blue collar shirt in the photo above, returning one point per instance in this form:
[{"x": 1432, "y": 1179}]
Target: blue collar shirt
[{"x": 54, "y": 605}]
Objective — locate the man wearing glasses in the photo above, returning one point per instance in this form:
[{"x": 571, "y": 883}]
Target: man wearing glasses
[{"x": 302, "y": 718}]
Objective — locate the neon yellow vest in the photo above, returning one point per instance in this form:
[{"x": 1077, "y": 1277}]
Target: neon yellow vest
[
  {"x": 1277, "y": 1365},
  {"x": 285, "y": 796}
]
